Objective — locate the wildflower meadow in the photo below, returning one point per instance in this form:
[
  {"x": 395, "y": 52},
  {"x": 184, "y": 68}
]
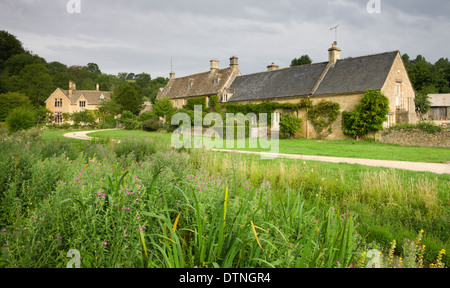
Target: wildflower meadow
[{"x": 142, "y": 204}]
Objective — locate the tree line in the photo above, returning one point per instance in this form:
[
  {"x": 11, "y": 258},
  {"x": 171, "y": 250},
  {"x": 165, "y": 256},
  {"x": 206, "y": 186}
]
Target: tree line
[{"x": 23, "y": 72}]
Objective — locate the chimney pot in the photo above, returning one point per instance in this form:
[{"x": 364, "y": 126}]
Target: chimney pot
[
  {"x": 214, "y": 64},
  {"x": 272, "y": 67},
  {"x": 334, "y": 54},
  {"x": 234, "y": 62},
  {"x": 172, "y": 75}
]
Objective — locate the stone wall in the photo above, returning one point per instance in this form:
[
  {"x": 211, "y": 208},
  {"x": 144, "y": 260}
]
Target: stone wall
[{"x": 416, "y": 137}]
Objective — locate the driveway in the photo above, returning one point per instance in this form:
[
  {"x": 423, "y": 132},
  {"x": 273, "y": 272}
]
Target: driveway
[{"x": 413, "y": 166}]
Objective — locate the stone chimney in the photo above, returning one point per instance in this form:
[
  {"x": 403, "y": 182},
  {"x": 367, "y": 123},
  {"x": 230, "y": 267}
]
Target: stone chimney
[
  {"x": 234, "y": 62},
  {"x": 334, "y": 53},
  {"x": 214, "y": 65},
  {"x": 97, "y": 87},
  {"x": 72, "y": 87},
  {"x": 172, "y": 75},
  {"x": 272, "y": 67}
]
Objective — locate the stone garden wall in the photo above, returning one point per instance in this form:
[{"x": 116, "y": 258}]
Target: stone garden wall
[{"x": 417, "y": 137}]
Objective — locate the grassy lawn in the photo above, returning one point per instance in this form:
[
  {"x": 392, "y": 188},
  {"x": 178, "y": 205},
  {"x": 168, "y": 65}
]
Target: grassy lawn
[
  {"x": 59, "y": 135},
  {"x": 340, "y": 148}
]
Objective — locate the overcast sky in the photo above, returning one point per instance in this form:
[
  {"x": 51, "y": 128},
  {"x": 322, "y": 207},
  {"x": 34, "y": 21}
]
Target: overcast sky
[{"x": 143, "y": 36}]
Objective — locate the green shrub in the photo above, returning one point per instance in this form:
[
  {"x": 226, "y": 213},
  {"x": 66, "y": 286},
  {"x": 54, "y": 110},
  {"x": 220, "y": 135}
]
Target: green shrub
[
  {"x": 107, "y": 123},
  {"x": 20, "y": 119},
  {"x": 10, "y": 101},
  {"x": 428, "y": 127},
  {"x": 322, "y": 116},
  {"x": 368, "y": 116},
  {"x": 192, "y": 102},
  {"x": 141, "y": 148},
  {"x": 151, "y": 125},
  {"x": 147, "y": 116},
  {"x": 289, "y": 125}
]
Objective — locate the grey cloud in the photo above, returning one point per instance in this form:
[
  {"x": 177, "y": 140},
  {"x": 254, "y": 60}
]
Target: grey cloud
[{"x": 142, "y": 36}]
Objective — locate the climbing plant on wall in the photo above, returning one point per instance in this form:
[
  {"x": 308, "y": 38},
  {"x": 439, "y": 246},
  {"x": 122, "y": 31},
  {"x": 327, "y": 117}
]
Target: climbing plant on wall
[{"x": 322, "y": 116}]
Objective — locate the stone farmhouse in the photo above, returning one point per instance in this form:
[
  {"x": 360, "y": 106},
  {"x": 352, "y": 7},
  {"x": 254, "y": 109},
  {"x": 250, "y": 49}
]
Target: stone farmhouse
[
  {"x": 73, "y": 100},
  {"x": 214, "y": 82},
  {"x": 343, "y": 81}
]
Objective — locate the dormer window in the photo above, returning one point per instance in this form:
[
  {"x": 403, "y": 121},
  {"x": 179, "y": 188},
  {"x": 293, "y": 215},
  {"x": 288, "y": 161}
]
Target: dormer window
[
  {"x": 225, "y": 97},
  {"x": 102, "y": 98},
  {"x": 82, "y": 104},
  {"x": 216, "y": 81},
  {"x": 190, "y": 85}
]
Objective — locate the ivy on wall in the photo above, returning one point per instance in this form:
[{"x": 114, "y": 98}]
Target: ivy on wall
[{"x": 322, "y": 116}]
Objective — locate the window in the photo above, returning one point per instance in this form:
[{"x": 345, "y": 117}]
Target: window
[
  {"x": 225, "y": 97},
  {"x": 276, "y": 120},
  {"x": 216, "y": 81},
  {"x": 398, "y": 93},
  {"x": 176, "y": 103},
  {"x": 102, "y": 98},
  {"x": 82, "y": 104},
  {"x": 58, "y": 103},
  {"x": 58, "y": 117},
  {"x": 190, "y": 85}
]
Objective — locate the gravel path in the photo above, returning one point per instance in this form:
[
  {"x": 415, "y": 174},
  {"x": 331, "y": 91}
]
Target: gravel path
[{"x": 413, "y": 166}]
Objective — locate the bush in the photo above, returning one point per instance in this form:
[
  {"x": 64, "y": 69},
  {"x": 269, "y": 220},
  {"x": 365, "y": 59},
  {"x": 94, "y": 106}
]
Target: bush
[
  {"x": 151, "y": 125},
  {"x": 368, "y": 116},
  {"x": 428, "y": 127},
  {"x": 20, "y": 119},
  {"x": 10, "y": 101},
  {"x": 107, "y": 123},
  {"x": 132, "y": 124},
  {"x": 147, "y": 116},
  {"x": 139, "y": 147},
  {"x": 289, "y": 125}
]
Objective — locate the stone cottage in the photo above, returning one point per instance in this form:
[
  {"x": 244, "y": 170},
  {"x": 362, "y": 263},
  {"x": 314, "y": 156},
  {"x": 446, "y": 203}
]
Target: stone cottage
[
  {"x": 343, "y": 81},
  {"x": 206, "y": 84},
  {"x": 73, "y": 100}
]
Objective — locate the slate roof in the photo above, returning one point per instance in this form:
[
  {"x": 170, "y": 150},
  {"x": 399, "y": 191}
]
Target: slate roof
[
  {"x": 92, "y": 96},
  {"x": 203, "y": 84},
  {"x": 350, "y": 75},
  {"x": 439, "y": 100},
  {"x": 295, "y": 81}
]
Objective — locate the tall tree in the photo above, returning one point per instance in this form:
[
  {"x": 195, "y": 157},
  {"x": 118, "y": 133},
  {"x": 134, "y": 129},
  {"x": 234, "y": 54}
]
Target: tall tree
[
  {"x": 155, "y": 84},
  {"x": 130, "y": 97},
  {"x": 10, "y": 101},
  {"x": 93, "y": 68},
  {"x": 35, "y": 82},
  {"x": 9, "y": 46}
]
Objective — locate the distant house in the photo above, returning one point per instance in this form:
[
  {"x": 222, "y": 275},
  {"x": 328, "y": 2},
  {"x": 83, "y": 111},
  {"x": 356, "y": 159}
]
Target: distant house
[
  {"x": 73, "y": 100},
  {"x": 213, "y": 82},
  {"x": 440, "y": 107}
]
